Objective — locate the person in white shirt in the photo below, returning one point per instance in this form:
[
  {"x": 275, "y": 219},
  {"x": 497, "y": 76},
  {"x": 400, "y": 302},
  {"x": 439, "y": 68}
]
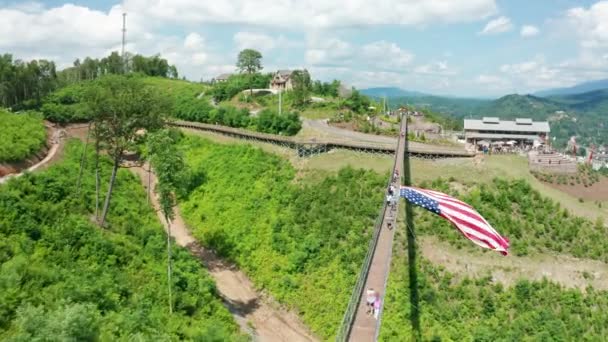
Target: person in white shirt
[{"x": 369, "y": 300}]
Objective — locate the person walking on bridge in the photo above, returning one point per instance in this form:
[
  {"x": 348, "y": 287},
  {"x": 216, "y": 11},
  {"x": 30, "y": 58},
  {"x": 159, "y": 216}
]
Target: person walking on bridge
[
  {"x": 377, "y": 304},
  {"x": 370, "y": 300}
]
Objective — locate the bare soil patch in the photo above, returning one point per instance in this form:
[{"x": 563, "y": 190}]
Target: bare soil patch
[
  {"x": 596, "y": 192},
  {"x": 565, "y": 270}
]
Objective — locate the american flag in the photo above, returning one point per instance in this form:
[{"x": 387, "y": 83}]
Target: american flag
[{"x": 468, "y": 221}]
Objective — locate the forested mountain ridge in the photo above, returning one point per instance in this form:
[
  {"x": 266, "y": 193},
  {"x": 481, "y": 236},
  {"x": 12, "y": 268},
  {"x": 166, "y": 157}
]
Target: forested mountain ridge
[
  {"x": 25, "y": 84},
  {"x": 380, "y": 92},
  {"x": 576, "y": 89},
  {"x": 584, "y": 115}
]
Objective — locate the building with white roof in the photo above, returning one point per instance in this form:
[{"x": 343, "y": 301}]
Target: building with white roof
[{"x": 493, "y": 130}]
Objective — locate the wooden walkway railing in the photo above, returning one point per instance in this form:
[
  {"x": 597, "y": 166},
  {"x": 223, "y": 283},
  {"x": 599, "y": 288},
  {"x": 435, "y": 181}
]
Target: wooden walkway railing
[
  {"x": 357, "y": 325},
  {"x": 312, "y": 146}
]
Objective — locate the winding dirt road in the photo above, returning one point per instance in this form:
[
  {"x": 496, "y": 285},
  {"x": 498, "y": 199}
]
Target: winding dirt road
[{"x": 256, "y": 315}]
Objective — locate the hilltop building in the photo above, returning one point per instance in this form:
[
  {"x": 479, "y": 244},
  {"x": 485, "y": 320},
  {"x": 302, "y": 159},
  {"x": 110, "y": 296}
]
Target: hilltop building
[
  {"x": 282, "y": 80},
  {"x": 222, "y": 78},
  {"x": 521, "y": 132}
]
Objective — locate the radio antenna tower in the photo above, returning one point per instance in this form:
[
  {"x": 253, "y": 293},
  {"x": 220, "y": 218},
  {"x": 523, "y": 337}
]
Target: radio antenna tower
[{"x": 124, "y": 34}]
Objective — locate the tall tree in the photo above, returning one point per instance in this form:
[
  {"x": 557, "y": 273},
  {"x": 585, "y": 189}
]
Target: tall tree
[
  {"x": 169, "y": 167},
  {"x": 250, "y": 62},
  {"x": 301, "y": 86},
  {"x": 122, "y": 106}
]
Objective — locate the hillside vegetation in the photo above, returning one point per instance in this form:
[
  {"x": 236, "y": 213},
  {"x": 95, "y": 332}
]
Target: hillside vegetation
[
  {"x": 63, "y": 278},
  {"x": 464, "y": 309},
  {"x": 533, "y": 223},
  {"x": 481, "y": 310},
  {"x": 302, "y": 242},
  {"x": 23, "y": 134}
]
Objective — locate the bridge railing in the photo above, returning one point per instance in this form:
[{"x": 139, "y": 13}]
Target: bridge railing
[{"x": 355, "y": 298}]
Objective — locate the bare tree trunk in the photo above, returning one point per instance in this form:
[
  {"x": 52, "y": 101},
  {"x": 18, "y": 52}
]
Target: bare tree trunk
[
  {"x": 106, "y": 205},
  {"x": 82, "y": 159},
  {"x": 149, "y": 179},
  {"x": 97, "y": 180},
  {"x": 169, "y": 269}
]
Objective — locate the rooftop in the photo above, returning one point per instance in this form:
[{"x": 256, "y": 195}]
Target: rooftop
[
  {"x": 223, "y": 76},
  {"x": 495, "y": 124}
]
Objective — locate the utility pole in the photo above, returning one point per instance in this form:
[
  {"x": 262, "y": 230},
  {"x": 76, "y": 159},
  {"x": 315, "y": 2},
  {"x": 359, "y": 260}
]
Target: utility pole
[
  {"x": 124, "y": 35},
  {"x": 411, "y": 243}
]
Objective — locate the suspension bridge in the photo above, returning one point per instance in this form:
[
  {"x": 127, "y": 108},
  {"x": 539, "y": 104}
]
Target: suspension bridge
[{"x": 357, "y": 325}]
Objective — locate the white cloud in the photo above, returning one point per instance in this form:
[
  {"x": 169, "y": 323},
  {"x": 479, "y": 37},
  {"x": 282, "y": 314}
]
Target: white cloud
[
  {"x": 315, "y": 13},
  {"x": 65, "y": 26},
  {"x": 498, "y": 25},
  {"x": 493, "y": 82},
  {"x": 439, "y": 68},
  {"x": 194, "y": 41},
  {"x": 386, "y": 54},
  {"x": 324, "y": 50},
  {"x": 538, "y": 74},
  {"x": 590, "y": 24},
  {"x": 251, "y": 40},
  {"x": 528, "y": 31}
]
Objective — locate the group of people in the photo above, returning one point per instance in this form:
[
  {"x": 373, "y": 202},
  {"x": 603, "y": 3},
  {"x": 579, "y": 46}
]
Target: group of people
[
  {"x": 392, "y": 198},
  {"x": 373, "y": 303}
]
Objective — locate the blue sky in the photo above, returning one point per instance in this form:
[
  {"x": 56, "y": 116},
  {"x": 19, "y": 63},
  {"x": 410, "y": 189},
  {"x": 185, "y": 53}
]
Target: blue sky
[{"x": 459, "y": 47}]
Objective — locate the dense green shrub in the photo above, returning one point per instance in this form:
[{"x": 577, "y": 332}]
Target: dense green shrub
[
  {"x": 67, "y": 104},
  {"x": 63, "y": 278},
  {"x": 236, "y": 83},
  {"x": 481, "y": 310},
  {"x": 269, "y": 121},
  {"x": 23, "y": 134},
  {"x": 302, "y": 243}
]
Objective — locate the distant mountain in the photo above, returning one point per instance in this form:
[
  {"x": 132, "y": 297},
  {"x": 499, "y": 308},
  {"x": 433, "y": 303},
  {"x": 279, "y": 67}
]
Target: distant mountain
[
  {"x": 390, "y": 92},
  {"x": 584, "y": 115},
  {"x": 521, "y": 106},
  {"x": 593, "y": 101},
  {"x": 577, "y": 89}
]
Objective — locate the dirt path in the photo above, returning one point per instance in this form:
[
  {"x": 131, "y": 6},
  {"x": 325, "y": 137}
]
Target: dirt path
[
  {"x": 567, "y": 271},
  {"x": 238, "y": 293}
]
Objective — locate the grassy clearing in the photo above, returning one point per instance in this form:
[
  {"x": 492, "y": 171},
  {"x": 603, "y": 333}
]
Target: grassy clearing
[
  {"x": 468, "y": 171},
  {"x": 175, "y": 87},
  {"x": 464, "y": 170}
]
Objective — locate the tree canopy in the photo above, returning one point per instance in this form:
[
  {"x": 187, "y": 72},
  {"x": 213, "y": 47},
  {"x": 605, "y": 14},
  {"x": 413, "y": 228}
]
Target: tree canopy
[
  {"x": 120, "y": 107},
  {"x": 301, "y": 86},
  {"x": 24, "y": 84},
  {"x": 249, "y": 61}
]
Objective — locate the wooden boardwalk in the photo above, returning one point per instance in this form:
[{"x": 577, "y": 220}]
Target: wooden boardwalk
[
  {"x": 307, "y": 147},
  {"x": 365, "y": 327}
]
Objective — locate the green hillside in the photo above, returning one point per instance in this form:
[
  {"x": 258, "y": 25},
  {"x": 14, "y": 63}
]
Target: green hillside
[
  {"x": 453, "y": 106},
  {"x": 65, "y": 279},
  {"x": 517, "y": 106}
]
